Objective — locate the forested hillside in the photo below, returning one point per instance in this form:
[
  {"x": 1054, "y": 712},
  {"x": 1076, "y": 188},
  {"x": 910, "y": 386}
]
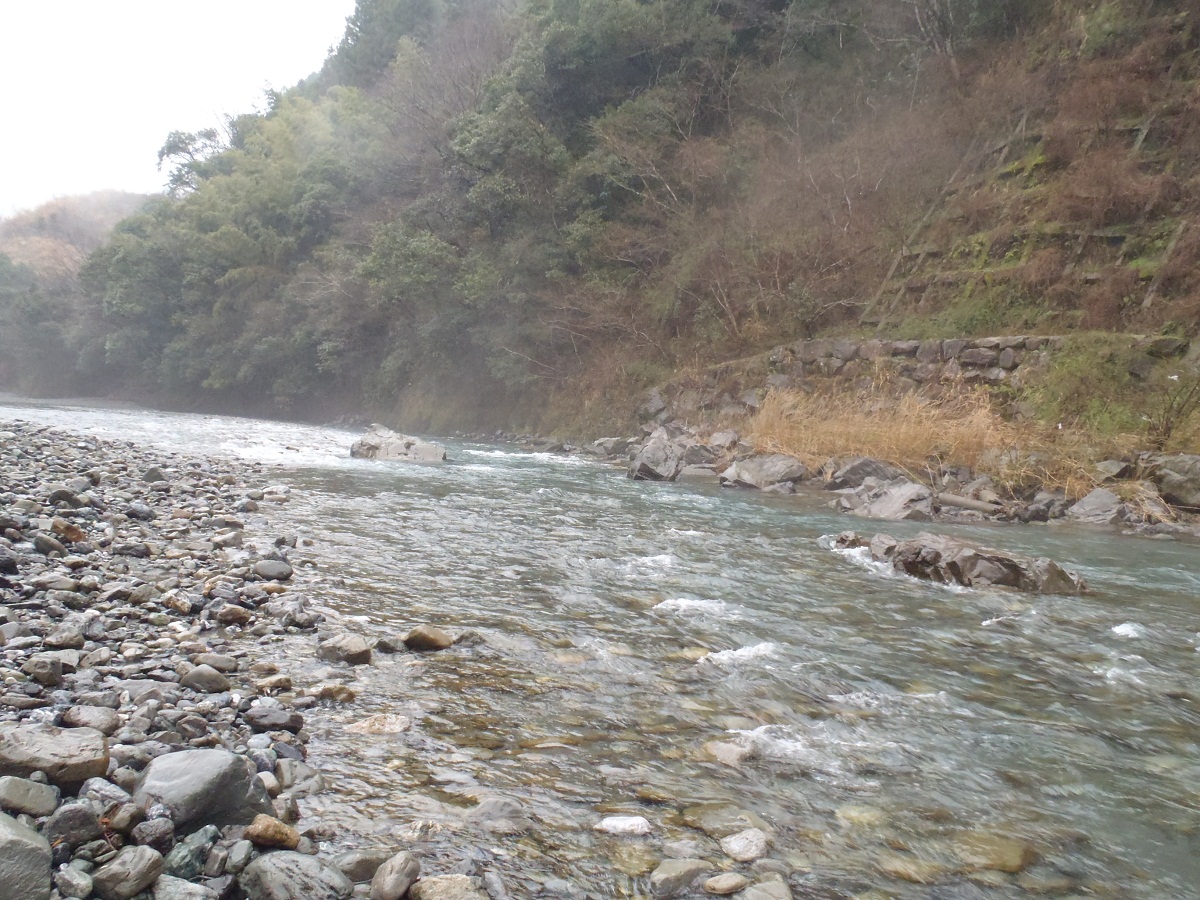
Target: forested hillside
[{"x": 486, "y": 213}]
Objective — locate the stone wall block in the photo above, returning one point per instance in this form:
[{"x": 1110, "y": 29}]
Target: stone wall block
[
  {"x": 951, "y": 348},
  {"x": 875, "y": 349},
  {"x": 927, "y": 372},
  {"x": 930, "y": 351},
  {"x": 979, "y": 356},
  {"x": 844, "y": 350}
]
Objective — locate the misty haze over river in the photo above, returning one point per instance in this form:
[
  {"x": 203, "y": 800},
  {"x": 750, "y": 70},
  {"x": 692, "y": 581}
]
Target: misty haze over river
[{"x": 622, "y": 628}]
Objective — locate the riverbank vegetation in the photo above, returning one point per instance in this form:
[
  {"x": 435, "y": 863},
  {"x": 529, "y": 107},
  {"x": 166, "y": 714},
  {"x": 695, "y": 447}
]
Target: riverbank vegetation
[
  {"x": 920, "y": 433},
  {"x": 485, "y": 214}
]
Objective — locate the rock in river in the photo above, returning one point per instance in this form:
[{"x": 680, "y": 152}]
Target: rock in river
[
  {"x": 393, "y": 879},
  {"x": 425, "y": 638},
  {"x": 946, "y": 560},
  {"x": 382, "y": 443},
  {"x": 674, "y": 876},
  {"x": 447, "y": 887},
  {"x": 347, "y": 648}
]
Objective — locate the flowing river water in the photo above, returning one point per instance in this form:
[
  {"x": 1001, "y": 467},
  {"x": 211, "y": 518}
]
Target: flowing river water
[{"x": 684, "y": 654}]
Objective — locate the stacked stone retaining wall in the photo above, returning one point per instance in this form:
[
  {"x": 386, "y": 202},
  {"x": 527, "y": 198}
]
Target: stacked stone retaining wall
[{"x": 735, "y": 389}]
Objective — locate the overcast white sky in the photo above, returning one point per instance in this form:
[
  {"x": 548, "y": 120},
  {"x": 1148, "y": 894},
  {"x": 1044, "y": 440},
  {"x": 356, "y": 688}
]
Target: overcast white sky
[{"x": 89, "y": 89}]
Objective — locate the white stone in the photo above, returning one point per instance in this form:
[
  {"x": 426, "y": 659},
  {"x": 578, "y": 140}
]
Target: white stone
[
  {"x": 745, "y": 846},
  {"x": 624, "y": 825}
]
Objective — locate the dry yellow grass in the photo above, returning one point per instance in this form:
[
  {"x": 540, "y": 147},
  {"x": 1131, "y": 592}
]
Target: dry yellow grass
[{"x": 920, "y": 433}]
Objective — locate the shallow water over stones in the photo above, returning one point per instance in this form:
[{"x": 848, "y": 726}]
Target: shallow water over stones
[{"x": 694, "y": 657}]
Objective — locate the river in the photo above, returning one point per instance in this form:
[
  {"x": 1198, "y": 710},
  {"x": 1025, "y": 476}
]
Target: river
[{"x": 666, "y": 651}]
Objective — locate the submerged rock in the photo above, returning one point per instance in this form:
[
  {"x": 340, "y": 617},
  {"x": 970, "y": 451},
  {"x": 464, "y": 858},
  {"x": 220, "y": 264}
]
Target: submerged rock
[
  {"x": 674, "y": 876},
  {"x": 447, "y": 887},
  {"x": 946, "y": 560},
  {"x": 623, "y": 825},
  {"x": 383, "y": 443}
]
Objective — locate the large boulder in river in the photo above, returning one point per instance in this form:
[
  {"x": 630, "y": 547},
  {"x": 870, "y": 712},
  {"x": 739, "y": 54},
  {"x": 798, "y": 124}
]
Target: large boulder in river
[
  {"x": 204, "y": 787},
  {"x": 776, "y": 472},
  {"x": 68, "y": 756},
  {"x": 947, "y": 560},
  {"x": 383, "y": 443},
  {"x": 1178, "y": 479}
]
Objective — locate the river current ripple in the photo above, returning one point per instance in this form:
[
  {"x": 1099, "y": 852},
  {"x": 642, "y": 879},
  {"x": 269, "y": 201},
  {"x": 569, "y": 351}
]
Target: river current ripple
[{"x": 647, "y": 649}]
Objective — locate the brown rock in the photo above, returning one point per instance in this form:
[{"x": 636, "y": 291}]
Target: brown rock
[
  {"x": 427, "y": 638},
  {"x": 267, "y": 831},
  {"x": 981, "y": 850}
]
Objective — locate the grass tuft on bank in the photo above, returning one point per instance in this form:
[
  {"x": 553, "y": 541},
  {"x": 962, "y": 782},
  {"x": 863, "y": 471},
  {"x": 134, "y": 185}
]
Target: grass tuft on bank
[{"x": 920, "y": 433}]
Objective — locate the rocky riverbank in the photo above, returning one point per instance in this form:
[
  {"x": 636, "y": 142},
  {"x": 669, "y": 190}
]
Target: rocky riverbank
[
  {"x": 149, "y": 747},
  {"x": 1155, "y": 494}
]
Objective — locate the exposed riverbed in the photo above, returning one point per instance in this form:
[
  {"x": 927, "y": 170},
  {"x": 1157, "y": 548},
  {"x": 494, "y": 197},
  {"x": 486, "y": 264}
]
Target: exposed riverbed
[{"x": 641, "y": 649}]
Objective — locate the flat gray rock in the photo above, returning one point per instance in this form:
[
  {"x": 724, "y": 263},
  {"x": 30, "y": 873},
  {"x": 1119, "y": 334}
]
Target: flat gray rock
[
  {"x": 68, "y": 756},
  {"x": 24, "y": 862},
  {"x": 393, "y": 879},
  {"x": 20, "y": 795},
  {"x": 1100, "y": 507},
  {"x": 203, "y": 787},
  {"x": 907, "y": 500},
  {"x": 272, "y": 570},
  {"x": 764, "y": 472},
  {"x": 205, "y": 679},
  {"x": 674, "y": 876},
  {"x": 101, "y": 718},
  {"x": 293, "y": 876},
  {"x": 134, "y": 870},
  {"x": 347, "y": 648}
]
